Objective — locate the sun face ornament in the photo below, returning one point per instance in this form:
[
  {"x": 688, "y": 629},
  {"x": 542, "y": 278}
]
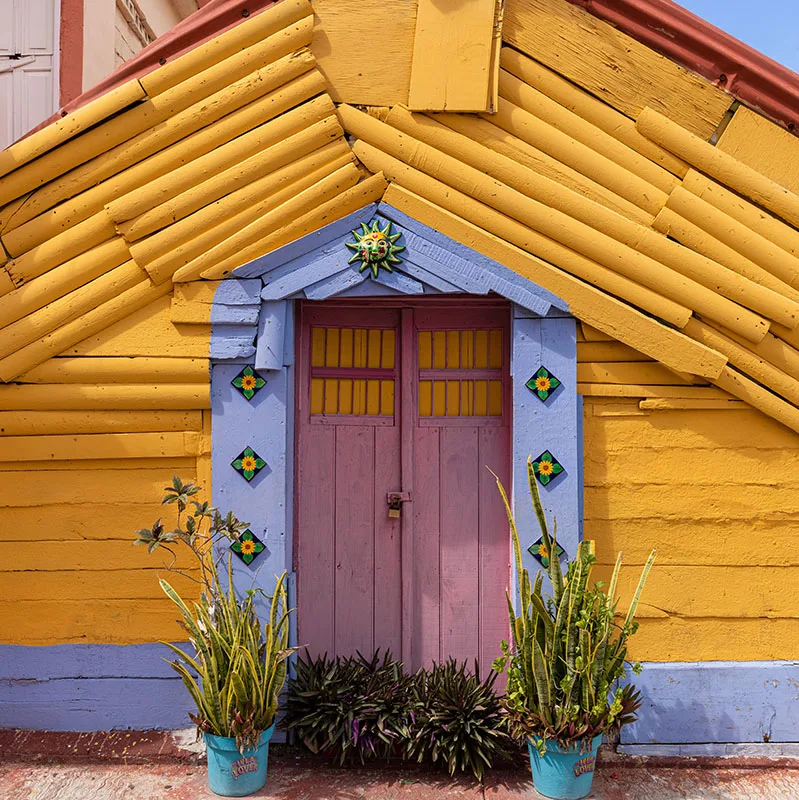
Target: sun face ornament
[{"x": 375, "y": 247}]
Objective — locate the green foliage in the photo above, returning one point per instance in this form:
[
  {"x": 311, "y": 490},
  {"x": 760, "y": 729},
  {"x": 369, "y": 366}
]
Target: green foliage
[
  {"x": 349, "y": 708},
  {"x": 358, "y": 709},
  {"x": 457, "y": 720},
  {"x": 239, "y": 665},
  {"x": 567, "y": 652}
]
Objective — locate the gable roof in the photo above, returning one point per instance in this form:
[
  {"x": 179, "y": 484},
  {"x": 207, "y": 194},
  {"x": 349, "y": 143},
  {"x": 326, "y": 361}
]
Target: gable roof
[{"x": 648, "y": 232}]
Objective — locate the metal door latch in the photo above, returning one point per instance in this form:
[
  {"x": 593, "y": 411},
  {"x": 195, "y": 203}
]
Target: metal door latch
[{"x": 395, "y": 501}]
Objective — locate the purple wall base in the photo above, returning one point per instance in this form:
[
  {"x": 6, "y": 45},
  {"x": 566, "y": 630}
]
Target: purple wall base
[{"x": 90, "y": 687}]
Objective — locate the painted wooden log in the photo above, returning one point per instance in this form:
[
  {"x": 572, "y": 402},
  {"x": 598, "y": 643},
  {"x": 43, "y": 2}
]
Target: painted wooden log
[
  {"x": 208, "y": 227},
  {"x": 745, "y": 360},
  {"x": 535, "y": 243},
  {"x": 684, "y": 231},
  {"x": 612, "y": 65},
  {"x": 91, "y": 323},
  {"x": 693, "y": 265},
  {"x": 335, "y": 284},
  {"x": 60, "y": 281},
  {"x": 31, "y": 226},
  {"x": 337, "y": 194},
  {"x": 265, "y": 160},
  {"x": 165, "y": 187},
  {"x": 241, "y": 37},
  {"x": 576, "y": 155},
  {"x": 638, "y": 373},
  {"x": 757, "y": 248},
  {"x": 69, "y": 126},
  {"x": 544, "y": 108},
  {"x": 62, "y": 311},
  {"x": 589, "y": 108},
  {"x": 498, "y": 139},
  {"x": 458, "y": 216},
  {"x": 42, "y": 423},
  {"x": 755, "y": 395},
  {"x": 775, "y": 230},
  {"x": 83, "y": 397},
  {"x": 555, "y": 224},
  {"x": 61, "y": 248},
  {"x": 174, "y": 128},
  {"x": 363, "y": 193},
  {"x": 119, "y": 370},
  {"x": 622, "y": 390},
  {"x": 322, "y": 240},
  {"x": 719, "y": 165},
  {"x": 773, "y": 350},
  {"x": 98, "y": 445},
  {"x": 154, "y": 111}
]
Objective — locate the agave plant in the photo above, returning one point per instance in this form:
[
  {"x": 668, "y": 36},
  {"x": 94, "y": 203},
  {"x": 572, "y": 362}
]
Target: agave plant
[
  {"x": 567, "y": 653},
  {"x": 239, "y": 665}
]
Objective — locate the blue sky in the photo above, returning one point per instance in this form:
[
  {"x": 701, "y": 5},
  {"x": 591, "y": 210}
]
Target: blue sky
[{"x": 771, "y": 26}]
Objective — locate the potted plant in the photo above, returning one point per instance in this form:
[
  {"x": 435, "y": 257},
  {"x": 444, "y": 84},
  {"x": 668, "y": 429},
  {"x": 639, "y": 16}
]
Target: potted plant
[
  {"x": 566, "y": 661},
  {"x": 238, "y": 667}
]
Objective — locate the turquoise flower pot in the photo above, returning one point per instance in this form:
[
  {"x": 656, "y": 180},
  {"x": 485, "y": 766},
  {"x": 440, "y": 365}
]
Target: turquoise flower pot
[
  {"x": 235, "y": 774},
  {"x": 563, "y": 774}
]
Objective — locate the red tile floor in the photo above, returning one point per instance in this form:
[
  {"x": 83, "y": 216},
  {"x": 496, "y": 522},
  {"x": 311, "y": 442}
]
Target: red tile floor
[{"x": 136, "y": 766}]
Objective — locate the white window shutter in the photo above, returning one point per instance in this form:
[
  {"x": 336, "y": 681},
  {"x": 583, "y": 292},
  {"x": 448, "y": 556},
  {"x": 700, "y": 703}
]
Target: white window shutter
[{"x": 27, "y": 59}]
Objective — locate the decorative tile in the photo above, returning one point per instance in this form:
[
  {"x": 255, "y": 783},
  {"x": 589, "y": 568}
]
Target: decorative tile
[
  {"x": 248, "y": 382},
  {"x": 539, "y": 551},
  {"x": 248, "y": 464},
  {"x": 546, "y": 467},
  {"x": 248, "y": 547},
  {"x": 543, "y": 384}
]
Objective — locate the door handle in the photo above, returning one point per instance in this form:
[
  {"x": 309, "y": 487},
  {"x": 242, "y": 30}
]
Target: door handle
[{"x": 395, "y": 501}]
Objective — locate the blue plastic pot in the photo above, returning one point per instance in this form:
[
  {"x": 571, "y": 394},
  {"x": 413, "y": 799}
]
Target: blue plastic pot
[
  {"x": 235, "y": 774},
  {"x": 563, "y": 774}
]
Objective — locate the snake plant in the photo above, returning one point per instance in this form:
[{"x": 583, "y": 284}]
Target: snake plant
[
  {"x": 239, "y": 665},
  {"x": 567, "y": 652}
]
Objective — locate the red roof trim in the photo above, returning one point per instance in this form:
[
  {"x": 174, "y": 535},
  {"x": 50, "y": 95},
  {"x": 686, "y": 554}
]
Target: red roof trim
[{"x": 748, "y": 75}]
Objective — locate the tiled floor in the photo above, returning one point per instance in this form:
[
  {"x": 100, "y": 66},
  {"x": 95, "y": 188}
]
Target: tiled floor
[{"x": 292, "y": 778}]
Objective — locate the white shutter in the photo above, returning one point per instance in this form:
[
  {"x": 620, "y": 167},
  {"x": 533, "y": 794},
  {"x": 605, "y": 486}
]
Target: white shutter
[{"x": 27, "y": 55}]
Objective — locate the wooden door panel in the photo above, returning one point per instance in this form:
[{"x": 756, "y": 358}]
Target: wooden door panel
[
  {"x": 316, "y": 541},
  {"x": 425, "y": 616},
  {"x": 459, "y": 510},
  {"x": 494, "y": 559},
  {"x": 388, "y": 542},
  {"x": 355, "y": 539}
]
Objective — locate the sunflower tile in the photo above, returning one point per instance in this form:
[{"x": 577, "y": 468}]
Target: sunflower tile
[
  {"x": 248, "y": 547},
  {"x": 248, "y": 464},
  {"x": 248, "y": 382},
  {"x": 543, "y": 384},
  {"x": 546, "y": 467}
]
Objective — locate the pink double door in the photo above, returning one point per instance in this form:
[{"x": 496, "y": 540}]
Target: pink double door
[{"x": 401, "y": 540}]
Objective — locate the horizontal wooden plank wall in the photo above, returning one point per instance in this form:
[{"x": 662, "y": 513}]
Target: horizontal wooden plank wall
[
  {"x": 93, "y": 438},
  {"x": 711, "y": 483}
]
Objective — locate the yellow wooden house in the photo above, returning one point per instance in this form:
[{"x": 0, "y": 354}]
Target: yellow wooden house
[{"x": 591, "y": 231}]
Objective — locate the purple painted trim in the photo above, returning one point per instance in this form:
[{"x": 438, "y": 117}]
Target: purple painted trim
[
  {"x": 716, "y": 702},
  {"x": 90, "y": 687}
]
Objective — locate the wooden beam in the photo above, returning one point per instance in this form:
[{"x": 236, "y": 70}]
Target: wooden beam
[
  {"x": 99, "y": 445},
  {"x": 42, "y": 423},
  {"x": 81, "y": 397},
  {"x": 106, "y": 178},
  {"x": 720, "y": 165},
  {"x": 119, "y": 370},
  {"x": 611, "y": 65},
  {"x": 452, "y": 67},
  {"x": 241, "y": 37},
  {"x": 459, "y": 217},
  {"x": 629, "y": 373}
]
